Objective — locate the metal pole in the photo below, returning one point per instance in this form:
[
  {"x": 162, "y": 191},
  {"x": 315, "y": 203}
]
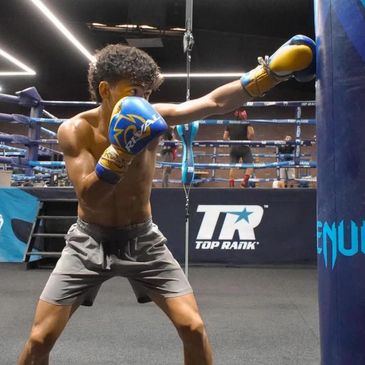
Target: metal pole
[
  {"x": 34, "y": 133},
  {"x": 188, "y": 44},
  {"x": 298, "y": 133},
  {"x": 214, "y": 160}
]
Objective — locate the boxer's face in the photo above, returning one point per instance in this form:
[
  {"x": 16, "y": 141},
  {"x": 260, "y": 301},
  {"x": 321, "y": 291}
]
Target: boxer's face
[{"x": 111, "y": 93}]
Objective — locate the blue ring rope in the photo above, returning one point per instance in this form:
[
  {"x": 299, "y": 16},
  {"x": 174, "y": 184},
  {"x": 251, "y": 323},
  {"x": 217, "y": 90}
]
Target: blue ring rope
[
  {"x": 263, "y": 165},
  {"x": 256, "y": 121}
]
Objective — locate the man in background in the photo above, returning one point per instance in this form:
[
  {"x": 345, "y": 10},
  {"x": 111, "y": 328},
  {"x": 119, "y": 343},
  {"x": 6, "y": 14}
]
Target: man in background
[
  {"x": 240, "y": 132},
  {"x": 286, "y": 173}
]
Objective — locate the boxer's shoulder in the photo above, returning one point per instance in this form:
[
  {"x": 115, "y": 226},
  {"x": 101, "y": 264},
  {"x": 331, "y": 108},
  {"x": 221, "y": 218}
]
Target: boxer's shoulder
[{"x": 76, "y": 133}]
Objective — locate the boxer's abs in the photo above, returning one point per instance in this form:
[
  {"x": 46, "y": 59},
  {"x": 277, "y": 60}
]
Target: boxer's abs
[
  {"x": 129, "y": 202},
  {"x": 117, "y": 210}
]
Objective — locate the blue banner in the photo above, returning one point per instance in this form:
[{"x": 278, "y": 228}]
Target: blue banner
[{"x": 18, "y": 211}]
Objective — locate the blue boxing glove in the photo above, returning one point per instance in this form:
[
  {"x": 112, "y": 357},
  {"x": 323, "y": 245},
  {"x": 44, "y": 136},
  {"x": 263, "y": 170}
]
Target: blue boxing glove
[
  {"x": 309, "y": 73},
  {"x": 295, "y": 58},
  {"x": 133, "y": 125}
]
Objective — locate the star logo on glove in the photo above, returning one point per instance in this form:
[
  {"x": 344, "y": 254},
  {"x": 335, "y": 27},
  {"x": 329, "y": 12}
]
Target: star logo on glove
[{"x": 138, "y": 128}]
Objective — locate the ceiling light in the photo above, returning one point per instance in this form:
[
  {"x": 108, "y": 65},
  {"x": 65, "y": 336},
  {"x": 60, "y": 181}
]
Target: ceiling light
[
  {"x": 16, "y": 73},
  {"x": 98, "y": 24},
  {"x": 27, "y": 71},
  {"x": 147, "y": 27},
  {"x": 131, "y": 26},
  {"x": 203, "y": 75},
  {"x": 178, "y": 29},
  {"x": 1, "y": 88},
  {"x": 60, "y": 26}
]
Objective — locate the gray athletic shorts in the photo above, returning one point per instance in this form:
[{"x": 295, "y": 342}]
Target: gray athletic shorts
[{"x": 94, "y": 254}]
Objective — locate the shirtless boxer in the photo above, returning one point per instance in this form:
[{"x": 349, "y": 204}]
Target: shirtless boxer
[{"x": 110, "y": 156}]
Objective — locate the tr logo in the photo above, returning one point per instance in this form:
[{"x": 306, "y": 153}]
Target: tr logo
[{"x": 240, "y": 218}]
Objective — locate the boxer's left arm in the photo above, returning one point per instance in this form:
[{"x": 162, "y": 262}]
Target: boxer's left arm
[
  {"x": 296, "y": 58},
  {"x": 222, "y": 100}
]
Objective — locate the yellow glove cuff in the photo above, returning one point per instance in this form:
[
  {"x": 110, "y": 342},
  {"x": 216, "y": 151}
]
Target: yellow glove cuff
[{"x": 116, "y": 160}]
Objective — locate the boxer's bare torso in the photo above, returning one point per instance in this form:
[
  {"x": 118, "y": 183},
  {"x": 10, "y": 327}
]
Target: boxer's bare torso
[
  {"x": 127, "y": 202},
  {"x": 84, "y": 138}
]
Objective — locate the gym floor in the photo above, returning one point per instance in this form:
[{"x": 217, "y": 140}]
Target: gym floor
[{"x": 254, "y": 316}]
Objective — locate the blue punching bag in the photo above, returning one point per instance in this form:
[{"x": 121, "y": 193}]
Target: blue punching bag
[{"x": 340, "y": 27}]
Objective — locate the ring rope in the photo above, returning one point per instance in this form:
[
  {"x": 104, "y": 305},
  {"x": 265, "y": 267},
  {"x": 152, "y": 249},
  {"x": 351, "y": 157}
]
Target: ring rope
[
  {"x": 259, "y": 104},
  {"x": 262, "y": 143},
  {"x": 256, "y": 121},
  {"x": 262, "y": 165}
]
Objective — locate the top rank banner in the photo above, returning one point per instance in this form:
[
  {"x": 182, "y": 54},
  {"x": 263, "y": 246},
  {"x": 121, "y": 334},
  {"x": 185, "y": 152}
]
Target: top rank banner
[
  {"x": 240, "y": 226},
  {"x": 227, "y": 226}
]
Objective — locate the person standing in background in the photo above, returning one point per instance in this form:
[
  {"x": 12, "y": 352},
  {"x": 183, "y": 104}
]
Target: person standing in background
[
  {"x": 240, "y": 132},
  {"x": 286, "y": 173}
]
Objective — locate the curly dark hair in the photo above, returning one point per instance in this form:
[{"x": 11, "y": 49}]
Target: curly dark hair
[{"x": 117, "y": 62}]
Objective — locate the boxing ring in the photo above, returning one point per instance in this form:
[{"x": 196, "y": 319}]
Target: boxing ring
[
  {"x": 25, "y": 152},
  {"x": 190, "y": 168}
]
